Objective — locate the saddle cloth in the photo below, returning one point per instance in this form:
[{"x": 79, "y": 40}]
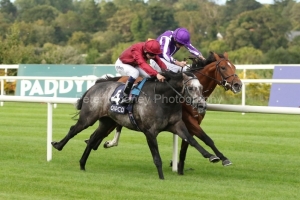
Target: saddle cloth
[{"x": 118, "y": 94}]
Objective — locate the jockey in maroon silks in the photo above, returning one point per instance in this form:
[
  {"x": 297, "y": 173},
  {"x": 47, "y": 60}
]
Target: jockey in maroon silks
[
  {"x": 170, "y": 42},
  {"x": 133, "y": 63}
]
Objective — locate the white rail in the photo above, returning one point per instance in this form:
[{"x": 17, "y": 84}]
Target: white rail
[{"x": 245, "y": 81}]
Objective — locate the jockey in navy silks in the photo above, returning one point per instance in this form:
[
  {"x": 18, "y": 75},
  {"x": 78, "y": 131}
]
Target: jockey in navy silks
[
  {"x": 133, "y": 63},
  {"x": 170, "y": 42}
]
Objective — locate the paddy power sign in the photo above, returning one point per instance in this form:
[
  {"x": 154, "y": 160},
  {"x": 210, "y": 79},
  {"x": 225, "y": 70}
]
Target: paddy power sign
[{"x": 60, "y": 88}]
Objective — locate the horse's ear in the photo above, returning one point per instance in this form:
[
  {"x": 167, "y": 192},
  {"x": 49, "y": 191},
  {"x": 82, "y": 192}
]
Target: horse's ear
[
  {"x": 216, "y": 56},
  {"x": 226, "y": 55}
]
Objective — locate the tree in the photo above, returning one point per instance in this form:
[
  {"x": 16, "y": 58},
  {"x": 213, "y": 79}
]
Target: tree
[
  {"x": 260, "y": 29},
  {"x": 246, "y": 55},
  {"x": 235, "y": 7},
  {"x": 139, "y": 28},
  {"x": 120, "y": 23},
  {"x": 68, "y": 22},
  {"x": 40, "y": 12},
  {"x": 162, "y": 19},
  {"x": 12, "y": 50},
  {"x": 8, "y": 10},
  {"x": 89, "y": 13}
]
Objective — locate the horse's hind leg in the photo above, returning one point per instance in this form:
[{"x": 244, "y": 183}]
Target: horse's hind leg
[
  {"x": 106, "y": 126},
  {"x": 81, "y": 124},
  {"x": 115, "y": 140},
  {"x": 110, "y": 143}
]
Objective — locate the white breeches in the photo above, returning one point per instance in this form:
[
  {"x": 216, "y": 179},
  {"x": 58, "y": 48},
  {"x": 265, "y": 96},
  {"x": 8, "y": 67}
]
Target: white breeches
[
  {"x": 170, "y": 66},
  {"x": 129, "y": 70}
]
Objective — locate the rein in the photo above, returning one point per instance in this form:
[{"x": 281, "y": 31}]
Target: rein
[{"x": 179, "y": 94}]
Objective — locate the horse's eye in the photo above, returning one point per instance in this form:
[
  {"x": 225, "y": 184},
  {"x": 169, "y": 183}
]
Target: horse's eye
[
  {"x": 191, "y": 88},
  {"x": 223, "y": 67}
]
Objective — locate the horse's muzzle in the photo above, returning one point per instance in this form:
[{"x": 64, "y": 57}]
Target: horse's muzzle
[
  {"x": 236, "y": 87},
  {"x": 200, "y": 105}
]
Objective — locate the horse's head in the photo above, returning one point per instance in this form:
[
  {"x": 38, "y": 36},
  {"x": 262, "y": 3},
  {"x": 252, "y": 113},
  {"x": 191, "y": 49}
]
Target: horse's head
[
  {"x": 192, "y": 91},
  {"x": 220, "y": 69}
]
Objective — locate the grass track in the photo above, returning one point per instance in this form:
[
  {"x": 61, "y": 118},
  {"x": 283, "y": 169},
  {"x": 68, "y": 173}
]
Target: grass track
[{"x": 264, "y": 149}]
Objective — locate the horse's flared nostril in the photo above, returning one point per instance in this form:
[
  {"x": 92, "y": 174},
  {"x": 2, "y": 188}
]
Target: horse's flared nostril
[{"x": 237, "y": 87}]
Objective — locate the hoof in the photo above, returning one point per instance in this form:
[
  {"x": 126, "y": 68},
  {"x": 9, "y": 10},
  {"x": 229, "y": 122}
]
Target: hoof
[
  {"x": 82, "y": 168},
  {"x": 226, "y": 163},
  {"x": 214, "y": 159},
  {"x": 180, "y": 168},
  {"x": 105, "y": 145},
  {"x": 56, "y": 145}
]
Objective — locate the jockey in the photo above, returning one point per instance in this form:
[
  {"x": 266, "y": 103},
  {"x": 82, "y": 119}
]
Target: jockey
[
  {"x": 133, "y": 63},
  {"x": 170, "y": 42}
]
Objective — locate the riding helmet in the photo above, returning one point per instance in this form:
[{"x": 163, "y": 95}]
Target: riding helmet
[
  {"x": 182, "y": 36},
  {"x": 152, "y": 46}
]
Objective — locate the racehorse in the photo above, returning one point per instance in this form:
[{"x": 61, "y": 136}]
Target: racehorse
[
  {"x": 154, "y": 111},
  {"x": 217, "y": 69}
]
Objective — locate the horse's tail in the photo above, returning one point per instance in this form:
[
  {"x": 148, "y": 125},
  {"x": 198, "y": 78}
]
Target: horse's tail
[{"x": 80, "y": 101}]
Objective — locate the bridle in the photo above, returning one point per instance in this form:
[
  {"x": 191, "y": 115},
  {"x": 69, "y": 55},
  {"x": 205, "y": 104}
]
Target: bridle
[
  {"x": 224, "y": 83},
  {"x": 197, "y": 106},
  {"x": 184, "y": 88}
]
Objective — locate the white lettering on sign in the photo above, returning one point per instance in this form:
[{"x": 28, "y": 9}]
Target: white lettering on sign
[
  {"x": 68, "y": 88},
  {"x": 54, "y": 87},
  {"x": 36, "y": 89}
]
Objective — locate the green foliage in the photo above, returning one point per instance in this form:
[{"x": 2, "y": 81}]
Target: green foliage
[
  {"x": 162, "y": 19},
  {"x": 283, "y": 56},
  {"x": 91, "y": 57},
  {"x": 117, "y": 50},
  {"x": 260, "y": 29},
  {"x": 79, "y": 40},
  {"x": 40, "y": 12},
  {"x": 218, "y": 46},
  {"x": 139, "y": 28},
  {"x": 54, "y": 54},
  {"x": 8, "y": 9},
  {"x": 246, "y": 55},
  {"x": 242, "y": 23},
  {"x": 12, "y": 51}
]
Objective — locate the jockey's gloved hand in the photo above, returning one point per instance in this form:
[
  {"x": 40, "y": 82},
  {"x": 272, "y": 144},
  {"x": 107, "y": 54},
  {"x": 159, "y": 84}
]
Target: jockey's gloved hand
[{"x": 160, "y": 77}]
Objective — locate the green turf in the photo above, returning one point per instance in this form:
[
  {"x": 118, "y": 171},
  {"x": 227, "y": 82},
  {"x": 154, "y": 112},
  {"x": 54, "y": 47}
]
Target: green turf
[{"x": 264, "y": 150}]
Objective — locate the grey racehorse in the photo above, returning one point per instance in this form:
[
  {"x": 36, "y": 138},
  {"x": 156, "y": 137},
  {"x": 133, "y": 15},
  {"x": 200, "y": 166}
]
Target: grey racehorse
[{"x": 157, "y": 109}]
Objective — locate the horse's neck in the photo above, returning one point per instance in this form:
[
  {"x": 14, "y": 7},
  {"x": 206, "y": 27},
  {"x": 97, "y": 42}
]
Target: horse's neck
[
  {"x": 207, "y": 78},
  {"x": 164, "y": 89}
]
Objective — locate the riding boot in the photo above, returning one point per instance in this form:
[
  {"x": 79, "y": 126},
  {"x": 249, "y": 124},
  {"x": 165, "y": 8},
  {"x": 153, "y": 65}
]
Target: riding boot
[{"x": 128, "y": 85}]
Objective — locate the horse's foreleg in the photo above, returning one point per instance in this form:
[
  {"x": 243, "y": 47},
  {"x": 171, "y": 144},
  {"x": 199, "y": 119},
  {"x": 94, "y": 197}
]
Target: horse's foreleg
[
  {"x": 209, "y": 142},
  {"x": 181, "y": 130},
  {"x": 153, "y": 146},
  {"x": 115, "y": 140}
]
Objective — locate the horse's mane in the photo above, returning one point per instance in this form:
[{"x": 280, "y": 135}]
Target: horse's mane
[
  {"x": 173, "y": 78},
  {"x": 200, "y": 64},
  {"x": 107, "y": 78},
  {"x": 211, "y": 58}
]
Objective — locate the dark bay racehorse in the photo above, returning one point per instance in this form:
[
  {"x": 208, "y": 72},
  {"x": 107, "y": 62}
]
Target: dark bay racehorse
[
  {"x": 217, "y": 69},
  {"x": 155, "y": 110}
]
